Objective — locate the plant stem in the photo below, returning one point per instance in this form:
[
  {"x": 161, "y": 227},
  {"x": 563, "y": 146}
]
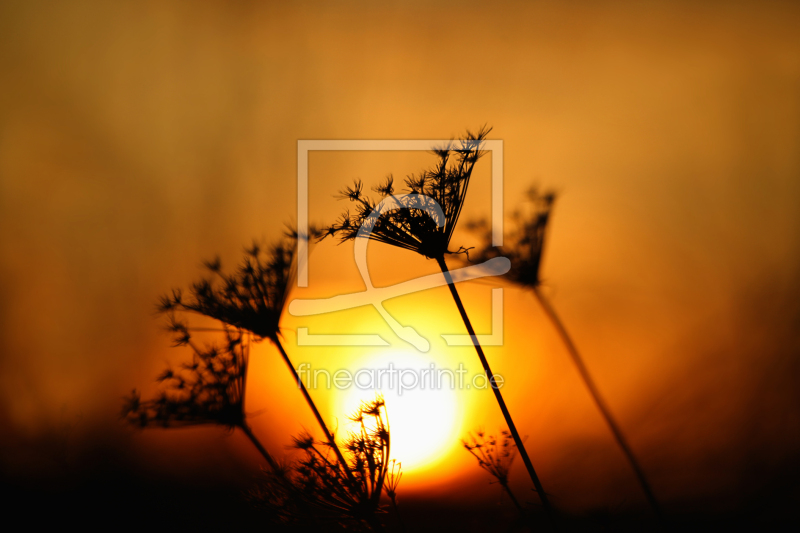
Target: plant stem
[
  {"x": 598, "y": 400},
  {"x": 247, "y": 431},
  {"x": 397, "y": 513},
  {"x": 313, "y": 406},
  {"x": 490, "y": 376},
  {"x": 513, "y": 498}
]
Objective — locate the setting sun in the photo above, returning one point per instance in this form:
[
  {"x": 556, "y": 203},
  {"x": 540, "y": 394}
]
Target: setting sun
[
  {"x": 425, "y": 419},
  {"x": 400, "y": 266}
]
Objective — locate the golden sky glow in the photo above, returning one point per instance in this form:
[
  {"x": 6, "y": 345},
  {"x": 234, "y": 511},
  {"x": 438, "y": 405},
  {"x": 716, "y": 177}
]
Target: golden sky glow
[{"x": 139, "y": 138}]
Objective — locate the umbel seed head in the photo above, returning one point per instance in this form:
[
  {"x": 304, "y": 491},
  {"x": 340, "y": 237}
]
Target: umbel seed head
[
  {"x": 251, "y": 297},
  {"x": 423, "y": 218},
  {"x": 525, "y": 243}
]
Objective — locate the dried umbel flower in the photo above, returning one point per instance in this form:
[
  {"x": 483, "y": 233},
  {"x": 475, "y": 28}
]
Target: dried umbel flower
[
  {"x": 315, "y": 491},
  {"x": 493, "y": 456},
  {"x": 527, "y": 235},
  {"x": 251, "y": 298},
  {"x": 393, "y": 476},
  {"x": 423, "y": 220},
  {"x": 524, "y": 247},
  {"x": 424, "y": 217},
  {"x": 208, "y": 390}
]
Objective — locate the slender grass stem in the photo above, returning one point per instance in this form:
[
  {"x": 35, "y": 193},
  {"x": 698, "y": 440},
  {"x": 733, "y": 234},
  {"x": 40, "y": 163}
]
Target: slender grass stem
[
  {"x": 400, "y": 522},
  {"x": 260, "y": 447},
  {"x": 513, "y": 498},
  {"x": 598, "y": 400},
  {"x": 313, "y": 406},
  {"x": 490, "y": 376}
]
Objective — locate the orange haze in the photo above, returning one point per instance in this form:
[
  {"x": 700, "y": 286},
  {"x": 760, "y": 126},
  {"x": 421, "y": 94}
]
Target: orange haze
[{"x": 138, "y": 138}]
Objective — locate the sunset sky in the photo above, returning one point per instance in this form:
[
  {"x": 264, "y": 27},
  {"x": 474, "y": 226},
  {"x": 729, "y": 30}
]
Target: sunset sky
[{"x": 139, "y": 138}]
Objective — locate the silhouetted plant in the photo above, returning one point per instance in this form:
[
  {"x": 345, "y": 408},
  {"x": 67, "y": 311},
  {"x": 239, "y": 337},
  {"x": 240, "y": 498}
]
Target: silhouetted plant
[
  {"x": 524, "y": 250},
  {"x": 494, "y": 457},
  {"x": 423, "y": 221},
  {"x": 393, "y": 475},
  {"x": 208, "y": 390},
  {"x": 251, "y": 298},
  {"x": 314, "y": 491},
  {"x": 527, "y": 237}
]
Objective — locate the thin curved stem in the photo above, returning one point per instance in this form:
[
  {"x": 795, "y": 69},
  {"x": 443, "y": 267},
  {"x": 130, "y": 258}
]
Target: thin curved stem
[
  {"x": 506, "y": 414},
  {"x": 397, "y": 513},
  {"x": 313, "y": 406},
  {"x": 598, "y": 400},
  {"x": 513, "y": 498},
  {"x": 260, "y": 447}
]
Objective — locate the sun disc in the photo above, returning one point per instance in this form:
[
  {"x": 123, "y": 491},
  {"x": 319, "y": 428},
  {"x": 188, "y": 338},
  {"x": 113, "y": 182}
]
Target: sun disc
[{"x": 424, "y": 417}]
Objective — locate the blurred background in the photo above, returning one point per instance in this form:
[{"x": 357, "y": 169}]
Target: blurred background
[{"x": 139, "y": 138}]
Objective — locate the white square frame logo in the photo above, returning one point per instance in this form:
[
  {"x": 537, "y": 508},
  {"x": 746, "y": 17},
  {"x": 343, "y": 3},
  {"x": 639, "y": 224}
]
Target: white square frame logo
[{"x": 494, "y": 146}]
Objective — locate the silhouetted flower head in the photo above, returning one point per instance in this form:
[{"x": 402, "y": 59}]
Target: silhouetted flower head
[
  {"x": 525, "y": 242},
  {"x": 208, "y": 390},
  {"x": 393, "y": 475},
  {"x": 424, "y": 217},
  {"x": 316, "y": 487},
  {"x": 252, "y": 297},
  {"x": 493, "y": 456}
]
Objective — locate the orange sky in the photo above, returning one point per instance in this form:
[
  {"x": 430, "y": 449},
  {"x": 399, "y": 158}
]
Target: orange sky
[{"x": 138, "y": 138}]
